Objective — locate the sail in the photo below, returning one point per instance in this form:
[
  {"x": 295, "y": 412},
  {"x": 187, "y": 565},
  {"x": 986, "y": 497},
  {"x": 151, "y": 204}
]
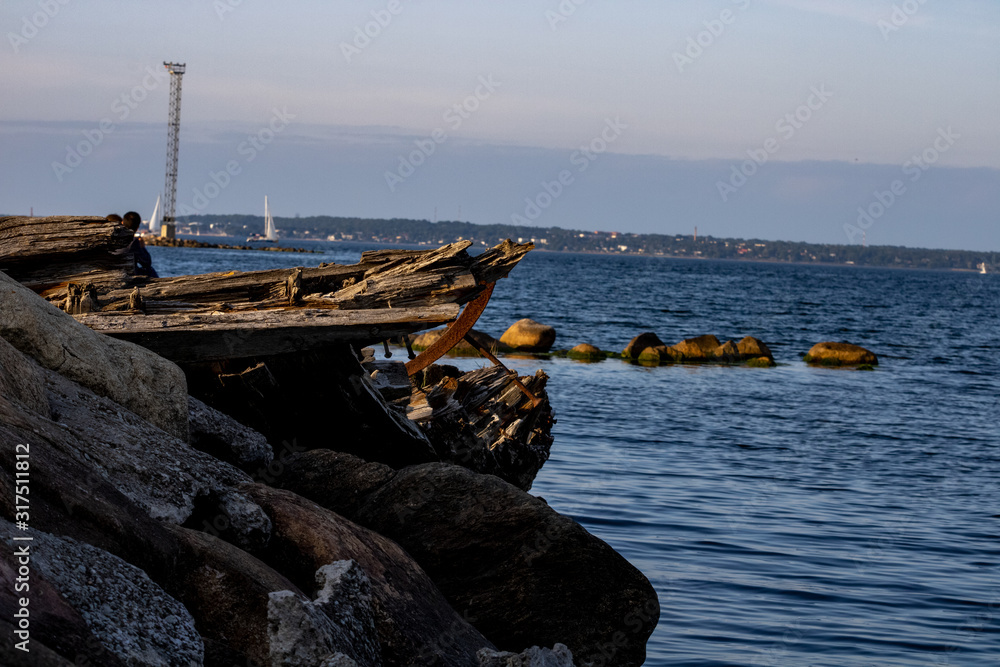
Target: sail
[
  {"x": 154, "y": 220},
  {"x": 270, "y": 231}
]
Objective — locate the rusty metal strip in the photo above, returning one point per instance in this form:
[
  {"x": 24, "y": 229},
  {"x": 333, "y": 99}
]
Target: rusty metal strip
[
  {"x": 457, "y": 330},
  {"x": 513, "y": 374}
]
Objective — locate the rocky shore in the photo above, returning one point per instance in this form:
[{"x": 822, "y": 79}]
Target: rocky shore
[{"x": 164, "y": 531}]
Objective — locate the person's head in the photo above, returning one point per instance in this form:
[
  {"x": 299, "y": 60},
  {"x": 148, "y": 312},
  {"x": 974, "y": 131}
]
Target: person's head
[
  {"x": 113, "y": 217},
  {"x": 132, "y": 221}
]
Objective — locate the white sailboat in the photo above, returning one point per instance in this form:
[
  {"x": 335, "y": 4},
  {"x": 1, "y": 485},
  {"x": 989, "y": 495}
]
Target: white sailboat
[
  {"x": 982, "y": 267},
  {"x": 270, "y": 231},
  {"x": 154, "y": 220}
]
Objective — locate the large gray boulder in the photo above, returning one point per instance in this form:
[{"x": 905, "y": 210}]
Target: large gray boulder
[
  {"x": 132, "y": 376},
  {"x": 131, "y": 617},
  {"x": 22, "y": 380}
]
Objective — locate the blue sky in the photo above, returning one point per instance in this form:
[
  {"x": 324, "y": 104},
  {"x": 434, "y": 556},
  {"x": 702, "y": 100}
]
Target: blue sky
[{"x": 753, "y": 118}]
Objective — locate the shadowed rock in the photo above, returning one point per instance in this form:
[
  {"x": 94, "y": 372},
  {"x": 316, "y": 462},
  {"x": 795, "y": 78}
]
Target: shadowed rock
[
  {"x": 521, "y": 573},
  {"x": 415, "y": 624},
  {"x": 226, "y": 439},
  {"x": 340, "y": 621},
  {"x": 132, "y": 617},
  {"x": 557, "y": 656}
]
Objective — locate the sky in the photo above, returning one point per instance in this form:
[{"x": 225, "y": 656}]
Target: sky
[{"x": 824, "y": 121}]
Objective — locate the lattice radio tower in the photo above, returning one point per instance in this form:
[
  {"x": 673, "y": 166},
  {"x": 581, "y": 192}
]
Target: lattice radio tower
[{"x": 173, "y": 143}]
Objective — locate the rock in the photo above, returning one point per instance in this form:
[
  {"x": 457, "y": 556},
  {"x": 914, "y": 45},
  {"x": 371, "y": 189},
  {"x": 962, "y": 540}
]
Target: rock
[
  {"x": 163, "y": 474},
  {"x": 415, "y": 624},
  {"x": 586, "y": 352},
  {"x": 22, "y": 380},
  {"x": 340, "y": 621},
  {"x": 702, "y": 348},
  {"x": 654, "y": 356},
  {"x": 527, "y": 335},
  {"x": 520, "y": 572},
  {"x": 226, "y": 439},
  {"x": 340, "y": 482},
  {"x": 840, "y": 354},
  {"x": 727, "y": 352},
  {"x": 54, "y": 624},
  {"x": 557, "y": 656},
  {"x": 750, "y": 348},
  {"x": 463, "y": 348},
  {"x": 40, "y": 655},
  {"x": 227, "y": 591},
  {"x": 146, "y": 384},
  {"x": 760, "y": 362},
  {"x": 132, "y": 618},
  {"x": 640, "y": 343}
]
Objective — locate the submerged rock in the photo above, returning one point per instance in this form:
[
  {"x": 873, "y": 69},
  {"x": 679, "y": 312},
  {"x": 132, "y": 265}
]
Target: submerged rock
[
  {"x": 840, "y": 354},
  {"x": 586, "y": 352},
  {"x": 527, "y": 335}
]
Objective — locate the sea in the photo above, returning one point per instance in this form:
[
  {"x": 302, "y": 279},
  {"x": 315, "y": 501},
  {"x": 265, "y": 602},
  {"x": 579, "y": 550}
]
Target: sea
[{"x": 795, "y": 515}]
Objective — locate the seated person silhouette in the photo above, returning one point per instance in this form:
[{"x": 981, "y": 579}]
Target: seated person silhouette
[{"x": 143, "y": 261}]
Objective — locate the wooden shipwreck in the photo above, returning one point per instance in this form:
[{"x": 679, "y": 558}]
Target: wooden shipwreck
[{"x": 282, "y": 350}]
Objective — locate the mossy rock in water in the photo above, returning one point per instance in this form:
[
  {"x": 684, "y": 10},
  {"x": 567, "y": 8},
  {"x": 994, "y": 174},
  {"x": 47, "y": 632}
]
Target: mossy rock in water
[
  {"x": 866, "y": 367},
  {"x": 840, "y": 354},
  {"x": 760, "y": 362},
  {"x": 655, "y": 356},
  {"x": 586, "y": 352}
]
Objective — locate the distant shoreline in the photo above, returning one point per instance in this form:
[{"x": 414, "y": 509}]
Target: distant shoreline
[{"x": 192, "y": 241}]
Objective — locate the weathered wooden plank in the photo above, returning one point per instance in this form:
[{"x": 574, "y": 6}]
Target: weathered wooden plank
[
  {"x": 26, "y": 239},
  {"x": 201, "y": 336}
]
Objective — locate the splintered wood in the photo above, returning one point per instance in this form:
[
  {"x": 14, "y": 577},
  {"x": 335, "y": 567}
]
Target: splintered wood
[{"x": 82, "y": 265}]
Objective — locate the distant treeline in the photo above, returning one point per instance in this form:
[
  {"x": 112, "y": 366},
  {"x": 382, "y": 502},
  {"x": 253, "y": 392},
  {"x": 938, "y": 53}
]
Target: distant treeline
[{"x": 399, "y": 230}]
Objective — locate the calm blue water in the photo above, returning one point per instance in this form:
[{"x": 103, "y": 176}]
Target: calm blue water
[{"x": 786, "y": 516}]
